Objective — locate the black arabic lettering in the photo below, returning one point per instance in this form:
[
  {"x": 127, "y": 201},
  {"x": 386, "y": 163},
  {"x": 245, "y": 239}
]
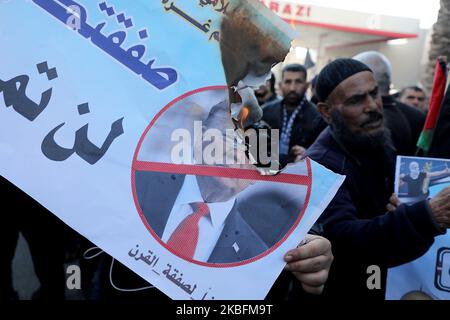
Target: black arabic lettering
[
  {"x": 206, "y": 293},
  {"x": 14, "y": 95},
  {"x": 140, "y": 258},
  {"x": 207, "y": 25},
  {"x": 202, "y": 27},
  {"x": 187, "y": 288},
  {"x": 214, "y": 3},
  {"x": 82, "y": 146},
  {"x": 177, "y": 279},
  {"x": 224, "y": 7},
  {"x": 131, "y": 254},
  {"x": 147, "y": 260},
  {"x": 168, "y": 6},
  {"x": 166, "y": 271},
  {"x": 173, "y": 276},
  {"x": 203, "y": 3},
  {"x": 161, "y": 78},
  {"x": 215, "y": 35}
]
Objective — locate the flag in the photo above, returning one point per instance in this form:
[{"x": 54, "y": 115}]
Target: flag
[
  {"x": 437, "y": 96},
  {"x": 440, "y": 146}
]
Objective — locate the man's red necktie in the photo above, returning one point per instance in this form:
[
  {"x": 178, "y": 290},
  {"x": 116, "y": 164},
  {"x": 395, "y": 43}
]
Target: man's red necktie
[{"x": 184, "y": 239}]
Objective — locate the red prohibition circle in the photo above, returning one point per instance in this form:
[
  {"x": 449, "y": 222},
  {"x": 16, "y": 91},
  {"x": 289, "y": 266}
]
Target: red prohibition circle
[{"x": 212, "y": 171}]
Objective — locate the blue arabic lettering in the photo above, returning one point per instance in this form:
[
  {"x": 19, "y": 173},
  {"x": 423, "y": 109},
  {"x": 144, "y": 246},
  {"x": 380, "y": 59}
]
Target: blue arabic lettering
[{"x": 161, "y": 78}]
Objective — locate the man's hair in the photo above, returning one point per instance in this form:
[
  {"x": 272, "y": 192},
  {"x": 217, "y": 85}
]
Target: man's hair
[
  {"x": 294, "y": 67},
  {"x": 415, "y": 88}
]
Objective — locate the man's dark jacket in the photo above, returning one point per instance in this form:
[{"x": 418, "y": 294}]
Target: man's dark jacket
[
  {"x": 361, "y": 232},
  {"x": 405, "y": 124},
  {"x": 440, "y": 146},
  {"x": 308, "y": 124}
]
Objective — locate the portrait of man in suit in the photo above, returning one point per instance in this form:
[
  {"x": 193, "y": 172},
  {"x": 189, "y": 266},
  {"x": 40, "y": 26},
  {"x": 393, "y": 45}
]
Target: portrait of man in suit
[{"x": 217, "y": 219}]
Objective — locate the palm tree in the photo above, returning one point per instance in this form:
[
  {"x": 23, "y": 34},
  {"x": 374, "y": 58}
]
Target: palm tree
[{"x": 440, "y": 43}]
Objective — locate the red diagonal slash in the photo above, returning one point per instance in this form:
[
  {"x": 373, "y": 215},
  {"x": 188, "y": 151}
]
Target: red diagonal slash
[{"x": 223, "y": 172}]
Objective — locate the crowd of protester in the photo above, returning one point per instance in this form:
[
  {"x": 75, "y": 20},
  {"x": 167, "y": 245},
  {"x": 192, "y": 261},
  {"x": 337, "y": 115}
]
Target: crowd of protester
[{"x": 350, "y": 123}]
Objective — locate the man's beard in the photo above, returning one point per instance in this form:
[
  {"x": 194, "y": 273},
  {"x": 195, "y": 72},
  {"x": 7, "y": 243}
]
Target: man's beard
[
  {"x": 359, "y": 144},
  {"x": 293, "y": 98}
]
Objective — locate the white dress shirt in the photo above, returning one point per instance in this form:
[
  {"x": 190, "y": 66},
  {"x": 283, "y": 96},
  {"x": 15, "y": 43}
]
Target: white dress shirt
[{"x": 210, "y": 226}]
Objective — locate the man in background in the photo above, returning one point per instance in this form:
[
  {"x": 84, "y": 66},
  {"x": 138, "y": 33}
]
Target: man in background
[
  {"x": 356, "y": 223},
  {"x": 266, "y": 93},
  {"x": 298, "y": 121},
  {"x": 414, "y": 96}
]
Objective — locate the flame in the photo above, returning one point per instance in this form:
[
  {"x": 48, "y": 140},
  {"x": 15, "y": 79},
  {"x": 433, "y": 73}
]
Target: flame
[{"x": 245, "y": 112}]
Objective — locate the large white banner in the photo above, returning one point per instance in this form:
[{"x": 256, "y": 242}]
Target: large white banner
[{"x": 98, "y": 97}]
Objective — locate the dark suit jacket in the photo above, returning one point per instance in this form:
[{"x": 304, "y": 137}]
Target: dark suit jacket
[
  {"x": 308, "y": 124},
  {"x": 405, "y": 124},
  {"x": 440, "y": 146},
  {"x": 254, "y": 226}
]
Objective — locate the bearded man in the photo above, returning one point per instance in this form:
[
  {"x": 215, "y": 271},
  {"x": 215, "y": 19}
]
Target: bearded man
[{"x": 364, "y": 237}]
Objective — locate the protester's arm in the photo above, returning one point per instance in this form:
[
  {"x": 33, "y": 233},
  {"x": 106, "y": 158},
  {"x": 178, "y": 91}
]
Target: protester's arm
[
  {"x": 310, "y": 263},
  {"x": 386, "y": 240}
]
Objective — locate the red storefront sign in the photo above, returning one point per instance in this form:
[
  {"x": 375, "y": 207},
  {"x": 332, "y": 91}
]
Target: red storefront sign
[{"x": 285, "y": 8}]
